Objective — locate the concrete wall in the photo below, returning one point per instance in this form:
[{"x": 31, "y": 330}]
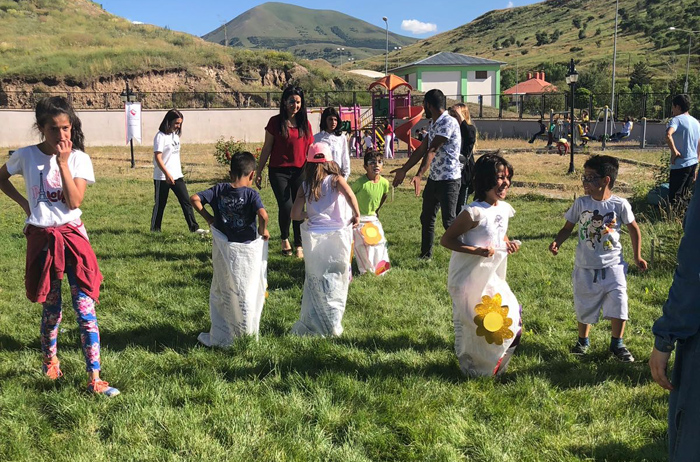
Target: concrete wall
[
  {"x": 446, "y": 81},
  {"x": 107, "y": 128},
  {"x": 485, "y": 87}
]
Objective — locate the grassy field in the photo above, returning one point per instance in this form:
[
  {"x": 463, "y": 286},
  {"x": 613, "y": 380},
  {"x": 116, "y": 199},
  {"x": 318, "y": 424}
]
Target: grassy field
[{"x": 389, "y": 389}]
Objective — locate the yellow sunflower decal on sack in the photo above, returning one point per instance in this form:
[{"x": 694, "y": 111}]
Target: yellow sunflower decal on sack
[
  {"x": 492, "y": 321},
  {"x": 370, "y": 234}
]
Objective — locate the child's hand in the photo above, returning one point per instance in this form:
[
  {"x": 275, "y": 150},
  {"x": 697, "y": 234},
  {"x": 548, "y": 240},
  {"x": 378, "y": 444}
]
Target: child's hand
[
  {"x": 641, "y": 264},
  {"x": 265, "y": 235},
  {"x": 63, "y": 150},
  {"x": 513, "y": 246},
  {"x": 355, "y": 221},
  {"x": 554, "y": 248},
  {"x": 485, "y": 251}
]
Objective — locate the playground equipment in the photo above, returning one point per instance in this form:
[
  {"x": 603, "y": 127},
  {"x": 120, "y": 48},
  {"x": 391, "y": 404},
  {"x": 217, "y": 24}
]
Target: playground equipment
[{"x": 389, "y": 107}]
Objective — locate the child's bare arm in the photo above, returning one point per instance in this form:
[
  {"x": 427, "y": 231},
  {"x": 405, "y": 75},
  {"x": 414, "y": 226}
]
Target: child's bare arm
[
  {"x": 262, "y": 224},
  {"x": 381, "y": 202},
  {"x": 346, "y": 190},
  {"x": 11, "y": 192},
  {"x": 636, "y": 238},
  {"x": 562, "y": 235},
  {"x": 298, "y": 213},
  {"x": 197, "y": 205},
  {"x": 461, "y": 225}
]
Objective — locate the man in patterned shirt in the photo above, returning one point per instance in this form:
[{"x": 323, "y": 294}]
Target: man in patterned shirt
[{"x": 439, "y": 151}]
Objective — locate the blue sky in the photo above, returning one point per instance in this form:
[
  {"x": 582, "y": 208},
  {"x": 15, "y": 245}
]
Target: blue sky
[{"x": 414, "y": 18}]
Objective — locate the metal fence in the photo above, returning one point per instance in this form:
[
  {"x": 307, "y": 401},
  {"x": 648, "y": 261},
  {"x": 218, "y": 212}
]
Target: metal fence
[{"x": 653, "y": 106}]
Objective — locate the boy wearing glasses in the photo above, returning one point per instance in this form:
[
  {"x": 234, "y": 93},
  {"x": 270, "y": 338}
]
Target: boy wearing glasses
[{"x": 599, "y": 268}]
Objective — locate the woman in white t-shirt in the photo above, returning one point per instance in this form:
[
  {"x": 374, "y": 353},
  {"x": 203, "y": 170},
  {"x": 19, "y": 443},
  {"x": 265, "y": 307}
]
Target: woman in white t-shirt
[
  {"x": 331, "y": 135},
  {"x": 56, "y": 174},
  {"x": 167, "y": 172}
]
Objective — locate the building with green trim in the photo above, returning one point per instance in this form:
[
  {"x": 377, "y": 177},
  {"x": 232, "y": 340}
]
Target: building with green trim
[{"x": 460, "y": 77}]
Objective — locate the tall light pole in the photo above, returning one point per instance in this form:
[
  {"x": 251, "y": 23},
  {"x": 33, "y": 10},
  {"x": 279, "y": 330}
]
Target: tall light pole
[
  {"x": 341, "y": 51},
  {"x": 386, "y": 55},
  {"x": 571, "y": 79},
  {"x": 397, "y": 49},
  {"x": 612, "y": 93},
  {"x": 690, "y": 42}
]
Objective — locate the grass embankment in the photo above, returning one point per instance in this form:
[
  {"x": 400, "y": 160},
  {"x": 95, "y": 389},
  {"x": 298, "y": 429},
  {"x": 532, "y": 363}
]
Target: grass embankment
[{"x": 389, "y": 389}]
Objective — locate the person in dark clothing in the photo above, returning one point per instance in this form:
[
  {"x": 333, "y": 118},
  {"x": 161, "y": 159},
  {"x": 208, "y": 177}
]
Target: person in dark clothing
[
  {"x": 543, "y": 129},
  {"x": 467, "y": 129}
]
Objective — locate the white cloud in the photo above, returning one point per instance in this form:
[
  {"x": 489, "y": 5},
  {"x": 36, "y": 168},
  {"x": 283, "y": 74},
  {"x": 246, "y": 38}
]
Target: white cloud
[
  {"x": 510, "y": 5},
  {"x": 416, "y": 27}
]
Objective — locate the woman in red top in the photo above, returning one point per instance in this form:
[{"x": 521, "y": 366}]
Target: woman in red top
[{"x": 288, "y": 136}]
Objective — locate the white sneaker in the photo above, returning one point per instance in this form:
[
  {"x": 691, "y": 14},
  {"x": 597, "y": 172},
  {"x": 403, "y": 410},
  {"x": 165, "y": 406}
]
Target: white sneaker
[{"x": 201, "y": 231}]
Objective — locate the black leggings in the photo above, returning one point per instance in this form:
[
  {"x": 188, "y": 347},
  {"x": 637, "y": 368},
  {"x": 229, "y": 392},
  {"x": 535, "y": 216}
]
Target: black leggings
[
  {"x": 679, "y": 183},
  {"x": 285, "y": 182},
  {"x": 162, "y": 188}
]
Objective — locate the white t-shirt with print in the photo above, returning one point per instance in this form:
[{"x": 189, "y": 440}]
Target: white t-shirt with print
[
  {"x": 445, "y": 164},
  {"x": 44, "y": 187},
  {"x": 492, "y": 224},
  {"x": 339, "y": 149},
  {"x": 599, "y": 224},
  {"x": 169, "y": 146}
]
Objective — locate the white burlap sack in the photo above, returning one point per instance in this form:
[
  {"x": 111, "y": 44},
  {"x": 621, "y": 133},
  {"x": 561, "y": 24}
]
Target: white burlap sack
[
  {"x": 327, "y": 262},
  {"x": 238, "y": 287},
  {"x": 485, "y": 313},
  {"x": 372, "y": 258}
]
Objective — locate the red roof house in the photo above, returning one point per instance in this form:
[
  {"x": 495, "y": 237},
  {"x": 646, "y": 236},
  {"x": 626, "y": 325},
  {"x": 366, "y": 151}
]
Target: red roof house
[{"x": 534, "y": 85}]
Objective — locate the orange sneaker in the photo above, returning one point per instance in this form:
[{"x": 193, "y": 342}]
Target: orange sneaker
[
  {"x": 100, "y": 387},
  {"x": 52, "y": 369}
]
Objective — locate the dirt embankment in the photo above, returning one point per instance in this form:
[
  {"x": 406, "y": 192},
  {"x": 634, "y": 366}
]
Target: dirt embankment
[{"x": 155, "y": 88}]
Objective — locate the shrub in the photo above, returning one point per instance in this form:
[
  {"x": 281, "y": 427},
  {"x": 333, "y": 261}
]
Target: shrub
[{"x": 224, "y": 149}]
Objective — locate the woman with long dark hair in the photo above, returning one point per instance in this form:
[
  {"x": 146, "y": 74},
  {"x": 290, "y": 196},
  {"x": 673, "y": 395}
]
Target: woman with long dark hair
[
  {"x": 288, "y": 136},
  {"x": 460, "y": 111},
  {"x": 332, "y": 135}
]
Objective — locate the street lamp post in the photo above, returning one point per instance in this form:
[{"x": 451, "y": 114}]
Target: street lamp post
[
  {"x": 386, "y": 55},
  {"x": 397, "y": 49},
  {"x": 571, "y": 79},
  {"x": 125, "y": 96},
  {"x": 690, "y": 42},
  {"x": 341, "y": 52}
]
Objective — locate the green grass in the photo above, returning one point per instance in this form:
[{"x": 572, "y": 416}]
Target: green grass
[{"x": 388, "y": 389}]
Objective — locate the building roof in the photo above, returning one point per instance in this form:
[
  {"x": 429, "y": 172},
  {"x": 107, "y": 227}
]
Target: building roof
[
  {"x": 367, "y": 73},
  {"x": 445, "y": 58},
  {"x": 535, "y": 85}
]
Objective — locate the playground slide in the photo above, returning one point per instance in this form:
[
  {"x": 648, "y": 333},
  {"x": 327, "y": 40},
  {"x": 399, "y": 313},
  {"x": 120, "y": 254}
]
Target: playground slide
[{"x": 403, "y": 132}]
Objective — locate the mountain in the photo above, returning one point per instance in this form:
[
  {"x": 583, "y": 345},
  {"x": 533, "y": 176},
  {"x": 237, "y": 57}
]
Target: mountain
[
  {"x": 306, "y": 33},
  {"x": 547, "y": 35},
  {"x": 51, "y": 46}
]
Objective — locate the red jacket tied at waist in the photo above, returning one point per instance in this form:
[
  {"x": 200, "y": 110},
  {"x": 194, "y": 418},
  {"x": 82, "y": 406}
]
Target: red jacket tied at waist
[{"x": 66, "y": 246}]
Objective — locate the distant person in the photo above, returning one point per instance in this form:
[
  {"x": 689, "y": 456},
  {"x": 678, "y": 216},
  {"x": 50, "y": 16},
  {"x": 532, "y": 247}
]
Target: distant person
[
  {"x": 388, "y": 141},
  {"x": 367, "y": 142},
  {"x": 679, "y": 328},
  {"x": 542, "y": 131},
  {"x": 552, "y": 128},
  {"x": 56, "y": 173},
  {"x": 467, "y": 129},
  {"x": 683, "y": 139},
  {"x": 237, "y": 292},
  {"x": 599, "y": 277},
  {"x": 332, "y": 135},
  {"x": 626, "y": 130},
  {"x": 288, "y": 136},
  {"x": 167, "y": 172},
  {"x": 439, "y": 152}
]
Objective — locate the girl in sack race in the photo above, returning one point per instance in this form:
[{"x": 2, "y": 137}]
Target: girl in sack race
[
  {"x": 331, "y": 213},
  {"x": 485, "y": 312}
]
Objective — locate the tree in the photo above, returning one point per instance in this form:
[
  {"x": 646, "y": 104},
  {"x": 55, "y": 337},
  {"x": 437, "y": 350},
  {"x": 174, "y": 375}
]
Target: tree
[{"x": 641, "y": 75}]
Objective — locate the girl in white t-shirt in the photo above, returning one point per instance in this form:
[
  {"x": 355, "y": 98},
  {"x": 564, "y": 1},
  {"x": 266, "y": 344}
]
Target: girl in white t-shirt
[
  {"x": 485, "y": 313},
  {"x": 332, "y": 135},
  {"x": 56, "y": 174},
  {"x": 331, "y": 207},
  {"x": 167, "y": 172}
]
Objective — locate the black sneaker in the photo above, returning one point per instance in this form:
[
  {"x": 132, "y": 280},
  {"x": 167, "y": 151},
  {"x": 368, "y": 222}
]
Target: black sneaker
[
  {"x": 623, "y": 354},
  {"x": 579, "y": 349}
]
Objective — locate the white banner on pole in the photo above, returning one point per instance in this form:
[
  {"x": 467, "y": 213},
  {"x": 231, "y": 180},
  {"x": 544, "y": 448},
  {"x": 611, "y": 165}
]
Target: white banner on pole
[{"x": 133, "y": 121}]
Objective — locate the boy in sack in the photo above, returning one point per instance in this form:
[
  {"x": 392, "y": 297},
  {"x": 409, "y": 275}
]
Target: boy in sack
[
  {"x": 370, "y": 245},
  {"x": 599, "y": 268},
  {"x": 239, "y": 255}
]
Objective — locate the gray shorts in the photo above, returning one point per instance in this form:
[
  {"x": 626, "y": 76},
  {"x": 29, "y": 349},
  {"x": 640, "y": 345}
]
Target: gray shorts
[{"x": 600, "y": 288}]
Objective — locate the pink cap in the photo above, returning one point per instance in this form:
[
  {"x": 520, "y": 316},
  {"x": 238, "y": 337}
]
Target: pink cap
[{"x": 319, "y": 153}]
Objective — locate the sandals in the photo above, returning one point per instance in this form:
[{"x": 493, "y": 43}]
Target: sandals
[{"x": 286, "y": 252}]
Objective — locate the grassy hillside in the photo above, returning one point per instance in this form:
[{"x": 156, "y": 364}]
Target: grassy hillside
[
  {"x": 75, "y": 43},
  {"x": 305, "y": 32},
  {"x": 552, "y": 32}
]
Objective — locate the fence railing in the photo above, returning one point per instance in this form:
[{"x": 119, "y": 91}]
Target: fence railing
[{"x": 653, "y": 106}]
